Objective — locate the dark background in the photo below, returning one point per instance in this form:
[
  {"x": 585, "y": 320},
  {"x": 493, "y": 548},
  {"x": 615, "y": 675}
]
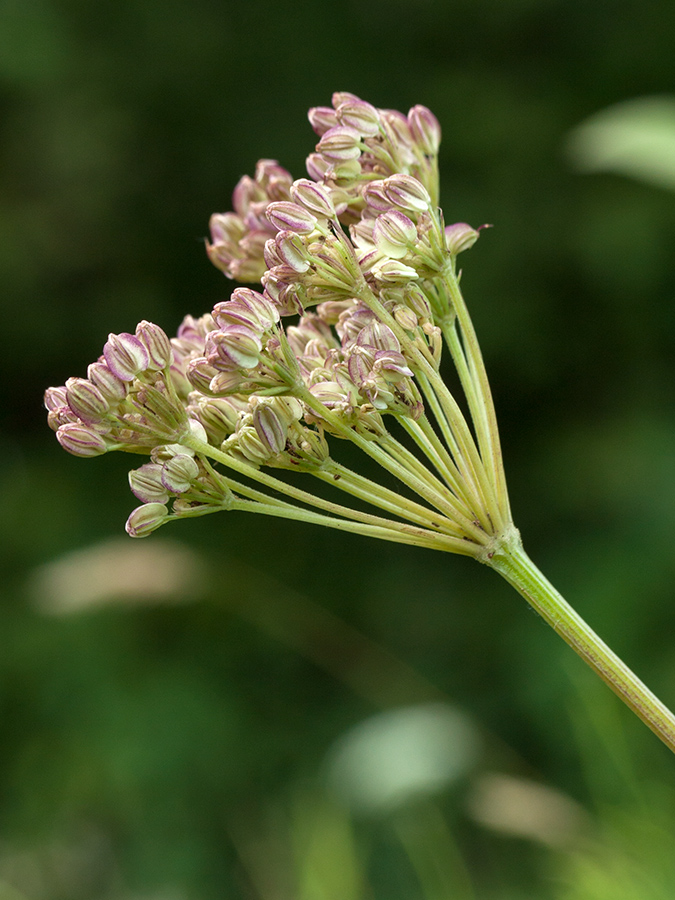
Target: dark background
[{"x": 174, "y": 751}]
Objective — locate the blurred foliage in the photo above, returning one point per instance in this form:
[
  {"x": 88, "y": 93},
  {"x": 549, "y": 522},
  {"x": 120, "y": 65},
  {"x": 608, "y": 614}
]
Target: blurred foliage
[{"x": 178, "y": 750}]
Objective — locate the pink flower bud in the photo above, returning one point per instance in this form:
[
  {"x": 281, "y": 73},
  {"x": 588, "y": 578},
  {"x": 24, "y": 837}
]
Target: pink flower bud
[
  {"x": 292, "y": 251},
  {"x": 313, "y": 197},
  {"x": 340, "y": 143},
  {"x": 238, "y": 344},
  {"x": 286, "y": 216},
  {"x": 270, "y": 429},
  {"x": 146, "y": 483},
  {"x": 126, "y": 356},
  {"x": 112, "y": 387},
  {"x": 55, "y": 398},
  {"x": 426, "y": 129},
  {"x": 80, "y": 440},
  {"x": 361, "y": 116},
  {"x": 317, "y": 167},
  {"x": 375, "y": 196},
  {"x": 179, "y": 472},
  {"x": 85, "y": 400},
  {"x": 146, "y": 519},
  {"x": 157, "y": 343},
  {"x": 392, "y": 271},
  {"x": 460, "y": 237},
  {"x": 321, "y": 118},
  {"x": 199, "y": 373},
  {"x": 394, "y": 234},
  {"x": 407, "y": 193}
]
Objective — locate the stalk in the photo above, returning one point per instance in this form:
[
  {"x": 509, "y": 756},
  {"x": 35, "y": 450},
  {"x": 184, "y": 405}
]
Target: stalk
[{"x": 510, "y": 560}]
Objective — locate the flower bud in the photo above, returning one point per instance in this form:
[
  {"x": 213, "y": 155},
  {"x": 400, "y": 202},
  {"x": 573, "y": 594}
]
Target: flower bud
[
  {"x": 313, "y": 197},
  {"x": 85, "y": 400},
  {"x": 426, "y": 129},
  {"x": 157, "y": 343},
  {"x": 112, "y": 387},
  {"x": 146, "y": 483},
  {"x": 392, "y": 271},
  {"x": 407, "y": 193},
  {"x": 321, "y": 118},
  {"x": 394, "y": 234},
  {"x": 126, "y": 356},
  {"x": 270, "y": 429},
  {"x": 460, "y": 237},
  {"x": 55, "y": 398},
  {"x": 292, "y": 251},
  {"x": 146, "y": 519},
  {"x": 200, "y": 374},
  {"x": 80, "y": 440},
  {"x": 361, "y": 116},
  {"x": 179, "y": 472},
  {"x": 340, "y": 143},
  {"x": 237, "y": 344},
  {"x": 286, "y": 216}
]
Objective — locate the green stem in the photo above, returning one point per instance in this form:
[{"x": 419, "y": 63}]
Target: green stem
[
  {"x": 510, "y": 560},
  {"x": 479, "y": 377}
]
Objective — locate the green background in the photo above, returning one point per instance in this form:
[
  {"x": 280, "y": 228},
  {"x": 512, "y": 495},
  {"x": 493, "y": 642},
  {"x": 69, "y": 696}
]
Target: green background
[{"x": 178, "y": 751}]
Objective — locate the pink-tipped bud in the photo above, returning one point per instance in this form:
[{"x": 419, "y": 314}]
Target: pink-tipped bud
[
  {"x": 392, "y": 271},
  {"x": 394, "y": 234},
  {"x": 407, "y": 193},
  {"x": 321, "y": 118},
  {"x": 460, "y": 237},
  {"x": 146, "y": 519},
  {"x": 112, "y": 387},
  {"x": 340, "y": 143},
  {"x": 375, "y": 196},
  {"x": 199, "y": 373},
  {"x": 313, "y": 197},
  {"x": 286, "y": 216},
  {"x": 146, "y": 483},
  {"x": 237, "y": 344},
  {"x": 157, "y": 343},
  {"x": 270, "y": 429},
  {"x": 55, "y": 398},
  {"x": 426, "y": 129},
  {"x": 291, "y": 251},
  {"x": 85, "y": 400},
  {"x": 179, "y": 472},
  {"x": 361, "y": 116},
  {"x": 126, "y": 356},
  {"x": 80, "y": 440}
]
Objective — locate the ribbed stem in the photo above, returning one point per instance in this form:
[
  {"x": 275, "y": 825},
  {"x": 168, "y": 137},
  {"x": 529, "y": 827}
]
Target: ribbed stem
[{"x": 513, "y": 564}]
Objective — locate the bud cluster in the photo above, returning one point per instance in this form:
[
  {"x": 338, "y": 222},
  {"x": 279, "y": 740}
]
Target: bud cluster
[
  {"x": 127, "y": 402},
  {"x": 356, "y": 251}
]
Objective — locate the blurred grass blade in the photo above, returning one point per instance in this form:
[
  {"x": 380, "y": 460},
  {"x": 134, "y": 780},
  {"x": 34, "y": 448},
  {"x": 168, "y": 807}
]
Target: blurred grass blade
[{"x": 634, "y": 138}]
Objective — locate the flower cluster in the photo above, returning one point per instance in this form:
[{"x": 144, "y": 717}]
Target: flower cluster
[{"x": 359, "y": 254}]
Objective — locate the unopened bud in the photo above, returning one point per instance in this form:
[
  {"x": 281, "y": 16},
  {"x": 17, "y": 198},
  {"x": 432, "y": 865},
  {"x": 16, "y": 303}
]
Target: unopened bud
[
  {"x": 112, "y": 387},
  {"x": 85, "y": 400},
  {"x": 340, "y": 143},
  {"x": 394, "y": 234},
  {"x": 146, "y": 519},
  {"x": 80, "y": 440},
  {"x": 286, "y": 216},
  {"x": 460, "y": 237},
  {"x": 270, "y": 429},
  {"x": 157, "y": 343},
  {"x": 313, "y": 197},
  {"x": 426, "y": 129},
  {"x": 126, "y": 356},
  {"x": 179, "y": 472},
  {"x": 146, "y": 483},
  {"x": 361, "y": 116},
  {"x": 407, "y": 193}
]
